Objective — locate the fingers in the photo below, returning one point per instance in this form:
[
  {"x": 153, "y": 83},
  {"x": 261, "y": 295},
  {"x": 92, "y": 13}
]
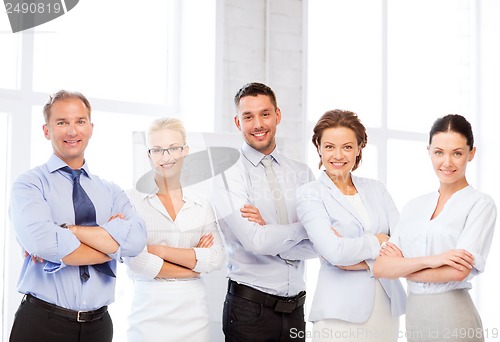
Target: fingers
[
  {"x": 249, "y": 209},
  {"x": 206, "y": 241},
  {"x": 335, "y": 232},
  {"x": 252, "y": 214},
  {"x": 390, "y": 249},
  {"x": 119, "y": 215},
  {"x": 461, "y": 259},
  {"x": 37, "y": 259},
  {"x": 33, "y": 257},
  {"x": 356, "y": 267},
  {"x": 382, "y": 238}
]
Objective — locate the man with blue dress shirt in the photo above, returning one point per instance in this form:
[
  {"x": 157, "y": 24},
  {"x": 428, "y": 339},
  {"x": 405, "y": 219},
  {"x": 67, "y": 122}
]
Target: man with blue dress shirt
[
  {"x": 265, "y": 241},
  {"x": 68, "y": 275}
]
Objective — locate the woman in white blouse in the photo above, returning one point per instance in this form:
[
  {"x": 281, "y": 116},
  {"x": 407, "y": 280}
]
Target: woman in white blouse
[
  {"x": 169, "y": 302},
  {"x": 442, "y": 241},
  {"x": 347, "y": 218}
]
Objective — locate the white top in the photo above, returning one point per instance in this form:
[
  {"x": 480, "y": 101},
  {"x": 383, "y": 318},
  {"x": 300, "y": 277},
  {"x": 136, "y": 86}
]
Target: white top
[
  {"x": 467, "y": 221},
  {"x": 360, "y": 208},
  {"x": 195, "y": 218}
]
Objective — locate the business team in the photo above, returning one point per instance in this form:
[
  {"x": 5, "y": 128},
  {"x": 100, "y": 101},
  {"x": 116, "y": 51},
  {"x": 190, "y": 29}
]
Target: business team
[{"x": 73, "y": 227}]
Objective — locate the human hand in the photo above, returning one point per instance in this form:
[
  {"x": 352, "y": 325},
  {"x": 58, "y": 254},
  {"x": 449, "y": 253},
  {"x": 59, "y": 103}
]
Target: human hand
[
  {"x": 206, "y": 241},
  {"x": 252, "y": 214},
  {"x": 382, "y": 238},
  {"x": 34, "y": 258},
  {"x": 360, "y": 266},
  {"x": 335, "y": 232},
  {"x": 119, "y": 215},
  {"x": 456, "y": 258},
  {"x": 390, "y": 249}
]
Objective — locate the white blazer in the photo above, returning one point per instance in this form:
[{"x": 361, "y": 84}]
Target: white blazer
[{"x": 347, "y": 295}]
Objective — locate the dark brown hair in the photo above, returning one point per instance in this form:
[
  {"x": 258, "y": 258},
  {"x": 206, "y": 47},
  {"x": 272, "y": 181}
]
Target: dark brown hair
[
  {"x": 454, "y": 123},
  {"x": 341, "y": 118},
  {"x": 254, "y": 89}
]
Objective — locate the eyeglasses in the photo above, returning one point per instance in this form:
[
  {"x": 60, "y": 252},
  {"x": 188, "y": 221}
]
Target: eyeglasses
[{"x": 171, "y": 151}]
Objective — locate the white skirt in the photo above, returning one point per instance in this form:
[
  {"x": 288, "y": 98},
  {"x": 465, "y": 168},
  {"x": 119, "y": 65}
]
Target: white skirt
[
  {"x": 169, "y": 311},
  {"x": 380, "y": 326},
  {"x": 448, "y": 316}
]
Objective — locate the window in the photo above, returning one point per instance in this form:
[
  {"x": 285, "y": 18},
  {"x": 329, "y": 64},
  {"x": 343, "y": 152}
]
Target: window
[
  {"x": 105, "y": 50},
  {"x": 401, "y": 64},
  {"x": 9, "y": 59},
  {"x": 4, "y": 145},
  {"x": 135, "y": 62}
]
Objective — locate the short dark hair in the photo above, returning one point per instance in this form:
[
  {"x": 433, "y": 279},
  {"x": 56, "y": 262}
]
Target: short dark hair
[
  {"x": 254, "y": 89},
  {"x": 341, "y": 118},
  {"x": 454, "y": 123},
  {"x": 63, "y": 95}
]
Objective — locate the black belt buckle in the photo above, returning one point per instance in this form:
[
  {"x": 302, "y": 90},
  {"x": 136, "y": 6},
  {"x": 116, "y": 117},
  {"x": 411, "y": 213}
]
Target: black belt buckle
[{"x": 286, "y": 306}]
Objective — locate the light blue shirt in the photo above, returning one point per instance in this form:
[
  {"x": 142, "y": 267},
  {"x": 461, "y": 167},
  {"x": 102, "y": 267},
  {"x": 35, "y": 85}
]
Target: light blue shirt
[
  {"x": 41, "y": 200},
  {"x": 268, "y": 258}
]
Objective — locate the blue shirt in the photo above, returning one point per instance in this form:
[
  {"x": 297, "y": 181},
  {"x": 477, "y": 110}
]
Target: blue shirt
[
  {"x": 268, "y": 258},
  {"x": 41, "y": 200}
]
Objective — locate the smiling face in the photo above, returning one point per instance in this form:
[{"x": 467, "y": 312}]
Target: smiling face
[
  {"x": 257, "y": 119},
  {"x": 450, "y": 154},
  {"x": 69, "y": 129},
  {"x": 338, "y": 150},
  {"x": 167, "y": 165}
]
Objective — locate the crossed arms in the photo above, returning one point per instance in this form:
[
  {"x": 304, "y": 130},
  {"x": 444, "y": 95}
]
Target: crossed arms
[{"x": 452, "y": 265}]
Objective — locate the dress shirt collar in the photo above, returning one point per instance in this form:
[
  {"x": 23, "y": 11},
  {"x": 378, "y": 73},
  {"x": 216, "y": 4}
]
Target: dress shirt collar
[
  {"x": 255, "y": 157},
  {"x": 188, "y": 196},
  {"x": 55, "y": 163}
]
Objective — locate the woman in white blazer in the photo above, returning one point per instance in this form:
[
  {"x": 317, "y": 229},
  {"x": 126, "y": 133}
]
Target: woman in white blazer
[
  {"x": 347, "y": 218},
  {"x": 442, "y": 241}
]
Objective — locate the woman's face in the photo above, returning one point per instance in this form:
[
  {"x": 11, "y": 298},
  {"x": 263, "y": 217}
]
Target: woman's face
[
  {"x": 338, "y": 150},
  {"x": 450, "y": 154},
  {"x": 166, "y": 152}
]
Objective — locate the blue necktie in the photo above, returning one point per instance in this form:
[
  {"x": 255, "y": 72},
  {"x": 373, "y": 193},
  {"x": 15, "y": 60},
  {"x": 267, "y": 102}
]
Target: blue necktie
[{"x": 85, "y": 216}]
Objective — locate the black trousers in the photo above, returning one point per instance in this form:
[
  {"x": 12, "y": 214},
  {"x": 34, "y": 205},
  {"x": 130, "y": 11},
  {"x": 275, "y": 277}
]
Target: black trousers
[
  {"x": 34, "y": 324},
  {"x": 247, "y": 321}
]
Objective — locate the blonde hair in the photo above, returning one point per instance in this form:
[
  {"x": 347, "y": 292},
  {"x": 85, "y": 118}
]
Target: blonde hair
[{"x": 167, "y": 123}]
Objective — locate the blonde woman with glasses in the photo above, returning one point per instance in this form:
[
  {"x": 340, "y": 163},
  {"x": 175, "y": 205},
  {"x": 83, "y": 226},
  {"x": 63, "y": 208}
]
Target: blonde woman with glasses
[{"x": 169, "y": 301}]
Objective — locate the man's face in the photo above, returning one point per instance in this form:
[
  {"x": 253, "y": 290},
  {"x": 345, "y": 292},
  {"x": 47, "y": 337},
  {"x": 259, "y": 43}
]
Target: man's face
[
  {"x": 257, "y": 119},
  {"x": 69, "y": 129}
]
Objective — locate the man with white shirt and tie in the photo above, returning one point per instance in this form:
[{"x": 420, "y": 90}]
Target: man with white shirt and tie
[
  {"x": 266, "y": 244},
  {"x": 73, "y": 227}
]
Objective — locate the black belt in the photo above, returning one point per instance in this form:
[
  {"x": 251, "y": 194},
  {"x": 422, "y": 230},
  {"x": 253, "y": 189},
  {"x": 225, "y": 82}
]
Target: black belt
[
  {"x": 278, "y": 303},
  {"x": 72, "y": 315}
]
